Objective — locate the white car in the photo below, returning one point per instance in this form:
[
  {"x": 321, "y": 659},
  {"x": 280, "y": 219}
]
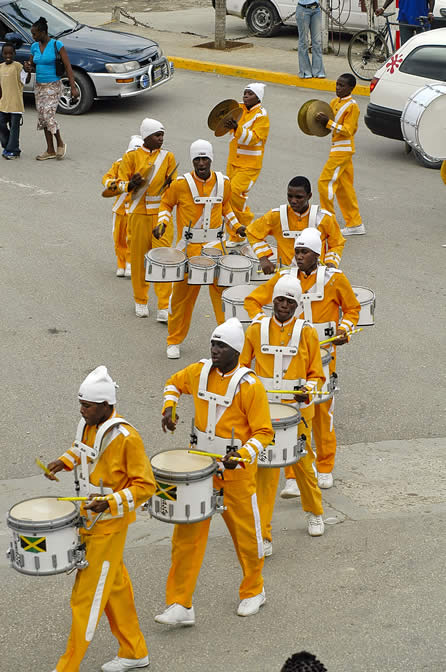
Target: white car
[{"x": 420, "y": 61}]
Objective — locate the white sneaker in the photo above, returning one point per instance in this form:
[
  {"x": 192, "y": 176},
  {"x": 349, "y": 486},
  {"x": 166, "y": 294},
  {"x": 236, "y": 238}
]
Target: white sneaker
[
  {"x": 162, "y": 316},
  {"x": 251, "y": 605},
  {"x": 325, "y": 481},
  {"x": 176, "y": 614},
  {"x": 173, "y": 352},
  {"x": 290, "y": 490},
  {"x": 141, "y": 310},
  {"x": 120, "y": 664},
  {"x": 353, "y": 230},
  {"x": 120, "y": 272},
  {"x": 267, "y": 548},
  {"x": 316, "y": 525},
  {"x": 128, "y": 271}
]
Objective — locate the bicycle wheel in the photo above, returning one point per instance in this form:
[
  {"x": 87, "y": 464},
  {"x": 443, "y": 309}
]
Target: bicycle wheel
[{"x": 367, "y": 52}]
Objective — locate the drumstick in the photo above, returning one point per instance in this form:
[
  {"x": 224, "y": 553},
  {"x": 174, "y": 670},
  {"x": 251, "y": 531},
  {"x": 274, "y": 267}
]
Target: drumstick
[
  {"x": 216, "y": 455},
  {"x": 82, "y": 499},
  {"x": 166, "y": 182},
  {"x": 46, "y": 470},
  {"x": 173, "y": 415},
  {"x": 347, "y": 333},
  {"x": 294, "y": 392}
]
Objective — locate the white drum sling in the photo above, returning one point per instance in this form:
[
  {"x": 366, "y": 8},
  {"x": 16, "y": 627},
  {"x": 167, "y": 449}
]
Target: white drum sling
[
  {"x": 201, "y": 231},
  {"x": 287, "y": 232}
]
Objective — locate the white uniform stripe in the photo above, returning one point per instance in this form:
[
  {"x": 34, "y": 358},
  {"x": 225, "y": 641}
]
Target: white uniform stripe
[
  {"x": 169, "y": 397},
  {"x": 331, "y": 183},
  {"x": 96, "y": 605},
  {"x": 171, "y": 388},
  {"x": 341, "y": 149},
  {"x": 129, "y": 497},
  {"x": 68, "y": 457},
  {"x": 118, "y": 500},
  {"x": 258, "y": 528},
  {"x": 250, "y": 152}
]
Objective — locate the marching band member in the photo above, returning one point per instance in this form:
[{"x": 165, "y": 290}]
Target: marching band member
[
  {"x": 286, "y": 223},
  {"x": 119, "y": 210},
  {"x": 111, "y": 455},
  {"x": 325, "y": 292},
  {"x": 202, "y": 200},
  {"x": 246, "y": 151},
  {"x": 143, "y": 210},
  {"x": 229, "y": 401},
  {"x": 337, "y": 175},
  {"x": 269, "y": 342}
]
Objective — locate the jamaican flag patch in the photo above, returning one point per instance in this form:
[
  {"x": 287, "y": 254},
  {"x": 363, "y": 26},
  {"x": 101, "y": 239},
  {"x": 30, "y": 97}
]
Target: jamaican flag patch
[
  {"x": 33, "y": 544},
  {"x": 166, "y": 491}
]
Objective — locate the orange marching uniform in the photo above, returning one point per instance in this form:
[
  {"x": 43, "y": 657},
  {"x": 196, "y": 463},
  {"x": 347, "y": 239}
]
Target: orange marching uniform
[
  {"x": 274, "y": 368},
  {"x": 285, "y": 225},
  {"x": 336, "y": 178}
]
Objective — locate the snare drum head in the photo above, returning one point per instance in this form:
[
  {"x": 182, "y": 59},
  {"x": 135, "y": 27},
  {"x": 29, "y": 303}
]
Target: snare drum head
[
  {"x": 238, "y": 293},
  {"x": 363, "y": 294},
  {"x": 166, "y": 255},
  {"x": 281, "y": 411},
  {"x": 235, "y": 262},
  {"x": 325, "y": 356},
  {"x": 203, "y": 262},
  {"x": 180, "y": 461},
  {"x": 211, "y": 252},
  {"x": 41, "y": 509}
]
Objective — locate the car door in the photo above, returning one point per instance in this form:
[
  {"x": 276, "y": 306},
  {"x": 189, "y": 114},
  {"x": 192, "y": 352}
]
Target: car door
[{"x": 22, "y": 53}]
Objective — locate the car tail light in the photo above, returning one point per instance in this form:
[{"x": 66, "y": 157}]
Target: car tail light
[{"x": 373, "y": 83}]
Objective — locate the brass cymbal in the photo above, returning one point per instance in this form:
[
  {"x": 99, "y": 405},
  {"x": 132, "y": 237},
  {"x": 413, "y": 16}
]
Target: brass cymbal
[
  {"x": 233, "y": 114},
  {"x": 316, "y": 127},
  {"x": 221, "y": 110},
  {"x": 302, "y": 116}
]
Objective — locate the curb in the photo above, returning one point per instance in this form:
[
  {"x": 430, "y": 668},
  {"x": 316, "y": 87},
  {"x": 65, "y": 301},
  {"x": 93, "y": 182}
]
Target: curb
[{"x": 261, "y": 75}]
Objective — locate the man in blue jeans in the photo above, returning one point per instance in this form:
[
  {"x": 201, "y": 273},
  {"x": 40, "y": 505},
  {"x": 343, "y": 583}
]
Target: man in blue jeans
[{"x": 309, "y": 20}]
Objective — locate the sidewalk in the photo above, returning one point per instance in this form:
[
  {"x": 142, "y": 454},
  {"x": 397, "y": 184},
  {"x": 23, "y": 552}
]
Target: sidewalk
[{"x": 180, "y": 34}]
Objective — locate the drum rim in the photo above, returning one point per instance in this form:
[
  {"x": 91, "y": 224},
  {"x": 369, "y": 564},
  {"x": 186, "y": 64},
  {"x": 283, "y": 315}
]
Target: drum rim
[
  {"x": 326, "y": 359},
  {"x": 205, "y": 250},
  {"x": 373, "y": 295},
  {"x": 289, "y": 421},
  {"x": 196, "y": 265},
  {"x": 156, "y": 262},
  {"x": 52, "y": 524},
  {"x": 182, "y": 476},
  {"x": 179, "y": 521}
]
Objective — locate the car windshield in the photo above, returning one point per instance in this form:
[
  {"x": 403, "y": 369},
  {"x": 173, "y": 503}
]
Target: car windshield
[{"x": 25, "y": 12}]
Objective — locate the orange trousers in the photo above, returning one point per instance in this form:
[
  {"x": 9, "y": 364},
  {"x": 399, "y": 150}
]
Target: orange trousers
[
  {"x": 189, "y": 544},
  {"x": 122, "y": 251},
  {"x": 181, "y": 307},
  {"x": 305, "y": 474},
  {"x": 140, "y": 241},
  {"x": 336, "y": 179},
  {"x": 242, "y": 180},
  {"x": 103, "y": 586}
]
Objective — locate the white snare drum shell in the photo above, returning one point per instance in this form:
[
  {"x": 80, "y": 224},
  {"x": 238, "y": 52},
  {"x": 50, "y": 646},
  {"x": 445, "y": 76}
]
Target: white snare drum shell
[
  {"x": 201, "y": 270},
  {"x": 165, "y": 264},
  {"x": 233, "y": 269},
  {"x": 233, "y": 299},
  {"x": 326, "y": 391},
  {"x": 257, "y": 275},
  {"x": 367, "y": 300},
  {"x": 286, "y": 447}
]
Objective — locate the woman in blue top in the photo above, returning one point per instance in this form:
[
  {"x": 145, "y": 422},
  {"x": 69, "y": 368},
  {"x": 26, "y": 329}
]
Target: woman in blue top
[{"x": 48, "y": 87}]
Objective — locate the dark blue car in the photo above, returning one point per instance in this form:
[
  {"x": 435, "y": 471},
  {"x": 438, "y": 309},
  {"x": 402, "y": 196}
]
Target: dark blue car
[{"x": 106, "y": 63}]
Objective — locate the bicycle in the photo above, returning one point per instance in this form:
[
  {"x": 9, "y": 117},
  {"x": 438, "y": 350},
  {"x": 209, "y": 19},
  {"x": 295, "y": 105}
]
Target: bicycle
[{"x": 369, "y": 48}]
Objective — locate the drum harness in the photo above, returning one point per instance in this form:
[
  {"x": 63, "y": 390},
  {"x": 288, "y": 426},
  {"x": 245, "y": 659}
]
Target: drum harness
[
  {"x": 312, "y": 221},
  {"x": 205, "y": 234}
]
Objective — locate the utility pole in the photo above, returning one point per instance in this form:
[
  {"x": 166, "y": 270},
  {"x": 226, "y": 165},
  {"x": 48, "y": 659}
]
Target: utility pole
[{"x": 220, "y": 24}]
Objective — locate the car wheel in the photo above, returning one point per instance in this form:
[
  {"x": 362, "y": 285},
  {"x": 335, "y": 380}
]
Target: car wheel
[
  {"x": 86, "y": 94},
  {"x": 262, "y": 19},
  {"x": 423, "y": 161}
]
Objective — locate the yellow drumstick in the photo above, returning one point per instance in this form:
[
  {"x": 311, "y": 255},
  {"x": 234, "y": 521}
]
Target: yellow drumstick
[
  {"x": 294, "y": 392},
  {"x": 217, "y": 456},
  {"x": 173, "y": 414},
  {"x": 46, "y": 470},
  {"x": 347, "y": 333},
  {"x": 81, "y": 499}
]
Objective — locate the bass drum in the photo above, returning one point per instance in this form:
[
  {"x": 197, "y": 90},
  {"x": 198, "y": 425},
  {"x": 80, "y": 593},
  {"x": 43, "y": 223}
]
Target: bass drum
[{"x": 421, "y": 120}]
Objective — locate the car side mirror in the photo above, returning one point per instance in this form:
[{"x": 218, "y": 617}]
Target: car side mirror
[{"x": 15, "y": 38}]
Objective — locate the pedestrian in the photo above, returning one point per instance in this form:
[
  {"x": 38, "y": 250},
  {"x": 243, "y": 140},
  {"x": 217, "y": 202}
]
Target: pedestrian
[
  {"x": 309, "y": 20},
  {"x": 409, "y": 14},
  {"x": 48, "y": 87},
  {"x": 12, "y": 79},
  {"x": 303, "y": 662}
]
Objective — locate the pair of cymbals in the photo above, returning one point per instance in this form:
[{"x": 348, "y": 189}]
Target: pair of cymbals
[
  {"x": 227, "y": 109},
  {"x": 306, "y": 117}
]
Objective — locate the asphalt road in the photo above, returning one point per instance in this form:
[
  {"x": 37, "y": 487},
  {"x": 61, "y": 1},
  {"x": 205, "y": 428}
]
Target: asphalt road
[{"x": 365, "y": 597}]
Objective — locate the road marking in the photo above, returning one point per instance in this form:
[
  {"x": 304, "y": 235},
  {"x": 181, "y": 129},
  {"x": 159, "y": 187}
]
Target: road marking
[{"x": 38, "y": 190}]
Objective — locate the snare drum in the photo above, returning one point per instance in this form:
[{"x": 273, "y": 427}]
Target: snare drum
[
  {"x": 213, "y": 252},
  {"x": 366, "y": 298},
  {"x": 233, "y": 299},
  {"x": 184, "y": 487},
  {"x": 201, "y": 270},
  {"x": 257, "y": 275},
  {"x": 421, "y": 119},
  {"x": 165, "y": 264},
  {"x": 233, "y": 269},
  {"x": 286, "y": 448},
  {"x": 326, "y": 391},
  {"x": 44, "y": 536}
]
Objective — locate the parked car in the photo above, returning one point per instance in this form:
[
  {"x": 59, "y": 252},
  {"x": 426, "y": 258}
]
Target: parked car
[
  {"x": 420, "y": 61},
  {"x": 106, "y": 63}
]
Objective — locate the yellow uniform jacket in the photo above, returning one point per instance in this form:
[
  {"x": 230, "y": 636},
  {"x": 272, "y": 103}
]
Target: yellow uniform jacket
[
  {"x": 247, "y": 147},
  {"x": 345, "y": 124},
  {"x": 248, "y": 414},
  {"x": 306, "y": 365},
  {"x": 124, "y": 467},
  {"x": 180, "y": 195},
  {"x": 138, "y": 161},
  {"x": 338, "y": 293},
  {"x": 121, "y": 201},
  {"x": 271, "y": 224}
]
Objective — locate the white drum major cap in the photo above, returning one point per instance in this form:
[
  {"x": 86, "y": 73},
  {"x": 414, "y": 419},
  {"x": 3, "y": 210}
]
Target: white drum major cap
[
  {"x": 258, "y": 88},
  {"x": 201, "y": 148},
  {"x": 230, "y": 332},
  {"x": 135, "y": 142},
  {"x": 98, "y": 387},
  {"x": 149, "y": 127},
  {"x": 288, "y": 287},
  {"x": 311, "y": 239}
]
